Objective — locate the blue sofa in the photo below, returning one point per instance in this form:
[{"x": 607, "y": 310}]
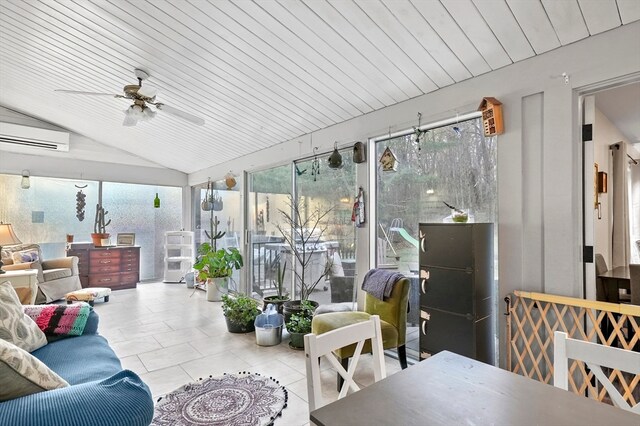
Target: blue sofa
[{"x": 100, "y": 391}]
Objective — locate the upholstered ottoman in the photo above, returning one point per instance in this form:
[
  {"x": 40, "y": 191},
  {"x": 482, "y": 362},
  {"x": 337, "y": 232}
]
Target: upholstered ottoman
[{"x": 88, "y": 295}]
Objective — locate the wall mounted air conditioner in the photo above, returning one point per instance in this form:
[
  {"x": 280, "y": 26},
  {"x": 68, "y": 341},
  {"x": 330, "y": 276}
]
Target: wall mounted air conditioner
[{"x": 17, "y": 136}]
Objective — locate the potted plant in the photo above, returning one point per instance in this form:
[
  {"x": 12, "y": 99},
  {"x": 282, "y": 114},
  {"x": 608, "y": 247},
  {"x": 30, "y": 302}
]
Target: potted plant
[
  {"x": 216, "y": 267},
  {"x": 281, "y": 296},
  {"x": 300, "y": 324},
  {"x": 100, "y": 226},
  {"x": 240, "y": 312},
  {"x": 301, "y": 229}
]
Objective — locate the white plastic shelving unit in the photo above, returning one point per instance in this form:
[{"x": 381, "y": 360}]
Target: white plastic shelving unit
[{"x": 179, "y": 255}]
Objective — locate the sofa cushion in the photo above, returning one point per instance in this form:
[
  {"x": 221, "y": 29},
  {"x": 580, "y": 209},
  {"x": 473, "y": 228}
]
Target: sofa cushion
[
  {"x": 16, "y": 326},
  {"x": 25, "y": 256},
  {"x": 93, "y": 359},
  {"x": 23, "y": 374},
  {"x": 55, "y": 274},
  {"x": 119, "y": 400}
]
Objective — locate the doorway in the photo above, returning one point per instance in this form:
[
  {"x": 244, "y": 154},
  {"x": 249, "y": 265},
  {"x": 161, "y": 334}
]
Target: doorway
[{"x": 611, "y": 178}]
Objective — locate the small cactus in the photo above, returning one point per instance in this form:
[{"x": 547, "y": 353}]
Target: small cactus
[{"x": 100, "y": 226}]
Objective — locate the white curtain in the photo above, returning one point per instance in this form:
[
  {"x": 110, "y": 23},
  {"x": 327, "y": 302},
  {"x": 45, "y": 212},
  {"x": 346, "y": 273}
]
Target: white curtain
[
  {"x": 634, "y": 210},
  {"x": 620, "y": 195}
]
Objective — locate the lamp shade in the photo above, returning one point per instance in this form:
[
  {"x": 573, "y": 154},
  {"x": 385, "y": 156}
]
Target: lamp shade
[{"x": 7, "y": 236}]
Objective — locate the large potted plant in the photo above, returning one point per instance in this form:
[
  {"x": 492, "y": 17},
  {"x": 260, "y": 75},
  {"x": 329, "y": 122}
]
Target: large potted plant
[
  {"x": 299, "y": 324},
  {"x": 240, "y": 312},
  {"x": 216, "y": 267},
  {"x": 302, "y": 228}
]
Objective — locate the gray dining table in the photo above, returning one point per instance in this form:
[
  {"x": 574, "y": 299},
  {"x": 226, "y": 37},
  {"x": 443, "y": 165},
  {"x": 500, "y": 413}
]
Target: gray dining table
[{"x": 450, "y": 389}]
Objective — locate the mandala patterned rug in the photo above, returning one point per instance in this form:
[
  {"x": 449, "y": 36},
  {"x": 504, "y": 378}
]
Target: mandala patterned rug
[{"x": 232, "y": 399}]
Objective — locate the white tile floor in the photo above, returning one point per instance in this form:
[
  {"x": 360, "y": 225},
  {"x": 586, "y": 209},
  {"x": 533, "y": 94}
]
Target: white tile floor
[{"x": 171, "y": 335}]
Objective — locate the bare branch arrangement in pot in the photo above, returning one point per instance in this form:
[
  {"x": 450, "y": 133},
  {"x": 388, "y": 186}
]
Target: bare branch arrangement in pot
[{"x": 302, "y": 233}]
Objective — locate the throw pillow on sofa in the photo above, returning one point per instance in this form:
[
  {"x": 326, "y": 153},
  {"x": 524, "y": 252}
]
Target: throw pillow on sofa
[
  {"x": 23, "y": 374},
  {"x": 58, "y": 320},
  {"x": 15, "y": 326},
  {"x": 25, "y": 256}
]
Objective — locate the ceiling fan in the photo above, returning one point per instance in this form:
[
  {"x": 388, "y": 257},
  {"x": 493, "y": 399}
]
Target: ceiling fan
[{"x": 142, "y": 97}]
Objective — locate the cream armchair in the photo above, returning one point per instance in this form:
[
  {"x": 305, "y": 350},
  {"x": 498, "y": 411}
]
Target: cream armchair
[{"x": 56, "y": 277}]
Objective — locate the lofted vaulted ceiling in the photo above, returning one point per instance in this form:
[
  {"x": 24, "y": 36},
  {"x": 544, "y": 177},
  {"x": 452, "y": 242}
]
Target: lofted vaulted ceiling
[{"x": 263, "y": 72}]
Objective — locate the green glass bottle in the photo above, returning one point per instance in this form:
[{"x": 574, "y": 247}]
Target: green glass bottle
[{"x": 156, "y": 201}]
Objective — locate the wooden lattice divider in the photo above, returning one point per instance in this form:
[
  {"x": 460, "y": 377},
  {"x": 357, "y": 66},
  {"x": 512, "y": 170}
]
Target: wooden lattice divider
[{"x": 533, "y": 318}]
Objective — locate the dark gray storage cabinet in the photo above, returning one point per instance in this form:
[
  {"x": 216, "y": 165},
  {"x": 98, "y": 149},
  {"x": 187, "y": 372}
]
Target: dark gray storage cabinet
[{"x": 457, "y": 300}]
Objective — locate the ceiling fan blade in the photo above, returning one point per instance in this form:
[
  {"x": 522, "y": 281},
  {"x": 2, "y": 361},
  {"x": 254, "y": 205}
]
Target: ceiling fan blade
[
  {"x": 147, "y": 91},
  {"x": 76, "y": 92},
  {"x": 178, "y": 113}
]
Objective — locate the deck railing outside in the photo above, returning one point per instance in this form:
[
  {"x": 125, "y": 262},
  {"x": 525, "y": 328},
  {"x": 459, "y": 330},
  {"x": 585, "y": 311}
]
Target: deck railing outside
[{"x": 532, "y": 319}]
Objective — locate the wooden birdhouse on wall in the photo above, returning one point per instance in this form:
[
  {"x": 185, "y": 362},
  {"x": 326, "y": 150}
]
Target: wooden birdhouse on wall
[
  {"x": 491, "y": 116},
  {"x": 388, "y": 161}
]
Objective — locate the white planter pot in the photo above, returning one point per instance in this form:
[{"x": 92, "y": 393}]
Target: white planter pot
[{"x": 216, "y": 287}]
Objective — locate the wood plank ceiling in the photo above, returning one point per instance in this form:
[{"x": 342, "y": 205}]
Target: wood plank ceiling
[{"x": 263, "y": 72}]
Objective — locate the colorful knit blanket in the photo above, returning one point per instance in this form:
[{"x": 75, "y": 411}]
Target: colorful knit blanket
[{"x": 59, "y": 319}]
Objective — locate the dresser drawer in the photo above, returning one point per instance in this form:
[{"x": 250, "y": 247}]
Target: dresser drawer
[
  {"x": 105, "y": 269},
  {"x": 104, "y": 254},
  {"x": 96, "y": 263},
  {"x": 129, "y": 278},
  {"x": 104, "y": 280},
  {"x": 130, "y": 252}
]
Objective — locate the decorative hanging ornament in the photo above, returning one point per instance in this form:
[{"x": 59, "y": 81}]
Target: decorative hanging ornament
[
  {"x": 315, "y": 165},
  {"x": 156, "y": 202},
  {"x": 80, "y": 202},
  {"x": 359, "y": 153},
  {"x": 417, "y": 133},
  {"x": 388, "y": 161},
  {"x": 230, "y": 180},
  {"x": 335, "y": 159}
]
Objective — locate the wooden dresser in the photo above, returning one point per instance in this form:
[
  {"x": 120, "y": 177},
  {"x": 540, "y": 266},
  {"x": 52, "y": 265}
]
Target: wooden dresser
[{"x": 113, "y": 267}]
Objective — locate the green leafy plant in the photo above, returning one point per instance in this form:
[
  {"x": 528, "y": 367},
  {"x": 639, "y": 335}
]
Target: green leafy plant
[
  {"x": 239, "y": 308},
  {"x": 213, "y": 263},
  {"x": 301, "y": 322}
]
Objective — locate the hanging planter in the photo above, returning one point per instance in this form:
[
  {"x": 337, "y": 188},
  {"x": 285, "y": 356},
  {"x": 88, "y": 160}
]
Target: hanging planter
[
  {"x": 335, "y": 159},
  {"x": 207, "y": 202}
]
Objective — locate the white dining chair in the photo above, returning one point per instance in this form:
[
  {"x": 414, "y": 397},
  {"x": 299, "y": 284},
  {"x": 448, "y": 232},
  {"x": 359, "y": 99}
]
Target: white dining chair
[
  {"x": 594, "y": 356},
  {"x": 318, "y": 346}
]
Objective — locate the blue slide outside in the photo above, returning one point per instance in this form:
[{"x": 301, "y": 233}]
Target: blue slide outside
[{"x": 403, "y": 232}]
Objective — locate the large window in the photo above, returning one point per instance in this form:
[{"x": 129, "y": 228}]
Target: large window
[
  {"x": 131, "y": 209},
  {"x": 46, "y": 212},
  {"x": 453, "y": 164}
]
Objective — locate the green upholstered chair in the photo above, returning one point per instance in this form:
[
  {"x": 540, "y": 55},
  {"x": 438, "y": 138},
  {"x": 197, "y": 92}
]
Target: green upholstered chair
[{"x": 393, "y": 321}]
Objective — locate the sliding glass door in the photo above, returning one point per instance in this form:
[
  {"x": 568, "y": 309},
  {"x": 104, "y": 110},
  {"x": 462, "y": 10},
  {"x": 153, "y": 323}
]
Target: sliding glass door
[
  {"x": 268, "y": 193},
  {"x": 329, "y": 193}
]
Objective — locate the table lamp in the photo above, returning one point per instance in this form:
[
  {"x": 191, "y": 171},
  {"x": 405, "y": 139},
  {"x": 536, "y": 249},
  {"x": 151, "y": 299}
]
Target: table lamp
[{"x": 7, "y": 238}]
